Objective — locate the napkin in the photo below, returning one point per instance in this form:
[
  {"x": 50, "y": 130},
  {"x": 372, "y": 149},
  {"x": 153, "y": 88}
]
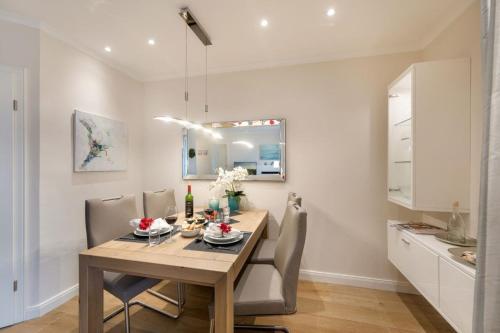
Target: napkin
[
  {"x": 134, "y": 223},
  {"x": 160, "y": 224}
]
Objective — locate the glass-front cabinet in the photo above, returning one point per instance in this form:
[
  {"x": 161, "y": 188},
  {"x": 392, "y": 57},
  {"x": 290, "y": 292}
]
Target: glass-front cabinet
[
  {"x": 429, "y": 136},
  {"x": 400, "y": 140}
]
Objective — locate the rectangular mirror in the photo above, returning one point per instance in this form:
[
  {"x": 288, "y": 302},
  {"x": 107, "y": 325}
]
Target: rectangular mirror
[{"x": 256, "y": 145}]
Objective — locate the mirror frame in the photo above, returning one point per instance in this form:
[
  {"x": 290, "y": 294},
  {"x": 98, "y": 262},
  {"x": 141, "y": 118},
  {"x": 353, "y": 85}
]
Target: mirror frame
[{"x": 218, "y": 124}]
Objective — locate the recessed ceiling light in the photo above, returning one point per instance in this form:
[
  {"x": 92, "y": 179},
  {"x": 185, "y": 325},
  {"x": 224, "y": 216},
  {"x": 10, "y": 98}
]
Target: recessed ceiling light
[
  {"x": 330, "y": 12},
  {"x": 264, "y": 23},
  {"x": 151, "y": 41},
  {"x": 107, "y": 49}
]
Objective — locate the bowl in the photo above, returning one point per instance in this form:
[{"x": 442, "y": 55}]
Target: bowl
[{"x": 190, "y": 233}]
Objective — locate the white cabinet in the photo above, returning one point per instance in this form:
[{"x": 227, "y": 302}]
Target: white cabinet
[
  {"x": 447, "y": 284},
  {"x": 429, "y": 136},
  {"x": 456, "y": 295}
]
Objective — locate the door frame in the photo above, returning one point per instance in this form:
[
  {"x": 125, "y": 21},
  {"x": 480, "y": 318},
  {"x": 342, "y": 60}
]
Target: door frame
[{"x": 19, "y": 187}]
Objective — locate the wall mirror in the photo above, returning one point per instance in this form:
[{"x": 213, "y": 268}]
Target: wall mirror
[{"x": 256, "y": 145}]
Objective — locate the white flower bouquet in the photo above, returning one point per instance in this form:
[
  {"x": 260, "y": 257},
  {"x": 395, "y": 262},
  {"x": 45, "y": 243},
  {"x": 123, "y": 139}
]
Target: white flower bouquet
[{"x": 229, "y": 182}]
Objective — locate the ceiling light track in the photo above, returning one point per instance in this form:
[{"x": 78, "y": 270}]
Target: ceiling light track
[{"x": 195, "y": 26}]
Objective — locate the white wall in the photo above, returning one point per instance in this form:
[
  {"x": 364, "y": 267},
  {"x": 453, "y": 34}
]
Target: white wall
[
  {"x": 336, "y": 150},
  {"x": 71, "y": 80},
  {"x": 20, "y": 47}
]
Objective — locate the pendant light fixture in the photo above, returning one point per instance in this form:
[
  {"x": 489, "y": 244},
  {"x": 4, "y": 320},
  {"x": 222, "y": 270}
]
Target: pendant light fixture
[{"x": 198, "y": 30}]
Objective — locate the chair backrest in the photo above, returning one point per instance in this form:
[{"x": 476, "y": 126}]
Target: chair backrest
[
  {"x": 107, "y": 219},
  {"x": 156, "y": 203},
  {"x": 288, "y": 252},
  {"x": 293, "y": 198}
]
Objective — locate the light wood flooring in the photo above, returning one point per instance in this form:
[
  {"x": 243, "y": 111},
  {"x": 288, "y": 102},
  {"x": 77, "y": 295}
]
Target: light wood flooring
[{"x": 321, "y": 308}]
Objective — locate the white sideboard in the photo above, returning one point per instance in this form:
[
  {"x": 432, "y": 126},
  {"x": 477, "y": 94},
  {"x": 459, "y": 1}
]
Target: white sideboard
[{"x": 446, "y": 283}]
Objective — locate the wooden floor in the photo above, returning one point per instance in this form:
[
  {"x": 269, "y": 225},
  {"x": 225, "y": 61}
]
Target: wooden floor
[{"x": 321, "y": 308}]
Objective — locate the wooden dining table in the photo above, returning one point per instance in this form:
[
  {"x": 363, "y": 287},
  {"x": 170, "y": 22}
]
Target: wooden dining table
[{"x": 167, "y": 261}]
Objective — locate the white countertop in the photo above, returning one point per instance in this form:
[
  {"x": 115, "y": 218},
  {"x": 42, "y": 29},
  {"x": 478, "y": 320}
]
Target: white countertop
[{"x": 438, "y": 247}]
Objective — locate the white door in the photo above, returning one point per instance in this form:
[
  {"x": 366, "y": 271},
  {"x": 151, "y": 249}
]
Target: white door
[{"x": 11, "y": 184}]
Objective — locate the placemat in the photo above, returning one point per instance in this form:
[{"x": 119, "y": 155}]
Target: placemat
[
  {"x": 201, "y": 245},
  {"x": 133, "y": 238}
]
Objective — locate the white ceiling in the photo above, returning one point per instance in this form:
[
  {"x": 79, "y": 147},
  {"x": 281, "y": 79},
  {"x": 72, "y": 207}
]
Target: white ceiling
[{"x": 299, "y": 30}]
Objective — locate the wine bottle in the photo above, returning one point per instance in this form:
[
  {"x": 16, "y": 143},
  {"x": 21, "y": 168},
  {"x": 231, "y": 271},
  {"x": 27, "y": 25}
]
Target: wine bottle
[{"x": 189, "y": 203}]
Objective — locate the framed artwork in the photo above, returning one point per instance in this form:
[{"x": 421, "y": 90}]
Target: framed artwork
[
  {"x": 100, "y": 144},
  {"x": 270, "y": 152}
]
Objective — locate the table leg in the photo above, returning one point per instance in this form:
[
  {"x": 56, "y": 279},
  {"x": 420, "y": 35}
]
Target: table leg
[
  {"x": 90, "y": 298},
  {"x": 224, "y": 315}
]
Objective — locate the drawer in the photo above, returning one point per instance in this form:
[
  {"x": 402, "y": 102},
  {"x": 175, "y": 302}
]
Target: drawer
[
  {"x": 416, "y": 262},
  {"x": 456, "y": 296}
]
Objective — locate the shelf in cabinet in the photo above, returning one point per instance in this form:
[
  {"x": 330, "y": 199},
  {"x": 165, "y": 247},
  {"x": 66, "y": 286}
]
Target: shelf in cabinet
[{"x": 402, "y": 122}]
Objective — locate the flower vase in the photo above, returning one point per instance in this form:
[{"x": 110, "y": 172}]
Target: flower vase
[{"x": 234, "y": 203}]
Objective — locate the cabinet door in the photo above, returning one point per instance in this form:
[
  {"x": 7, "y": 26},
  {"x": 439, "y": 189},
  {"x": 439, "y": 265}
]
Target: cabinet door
[
  {"x": 456, "y": 296},
  {"x": 400, "y": 170},
  {"x": 418, "y": 264}
]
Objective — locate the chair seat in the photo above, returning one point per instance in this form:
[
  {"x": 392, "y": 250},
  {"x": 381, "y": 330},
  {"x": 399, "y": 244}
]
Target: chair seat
[
  {"x": 259, "y": 292},
  {"x": 125, "y": 287},
  {"x": 264, "y": 252}
]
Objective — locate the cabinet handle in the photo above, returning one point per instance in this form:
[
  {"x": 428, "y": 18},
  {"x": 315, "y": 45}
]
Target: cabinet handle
[{"x": 405, "y": 241}]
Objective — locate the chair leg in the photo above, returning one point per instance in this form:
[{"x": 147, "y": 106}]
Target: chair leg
[
  {"x": 181, "y": 296},
  {"x": 179, "y": 303},
  {"x": 212, "y": 326},
  {"x": 163, "y": 312},
  {"x": 114, "y": 313},
  {"x": 127, "y": 318},
  {"x": 269, "y": 328}
]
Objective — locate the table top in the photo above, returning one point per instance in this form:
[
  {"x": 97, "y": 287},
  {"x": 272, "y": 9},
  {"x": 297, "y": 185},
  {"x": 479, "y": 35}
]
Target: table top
[{"x": 132, "y": 257}]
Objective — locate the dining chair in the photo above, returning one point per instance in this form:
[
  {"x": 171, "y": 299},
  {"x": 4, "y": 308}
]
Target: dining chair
[
  {"x": 156, "y": 204},
  {"x": 264, "y": 251},
  {"x": 107, "y": 219},
  {"x": 271, "y": 289}
]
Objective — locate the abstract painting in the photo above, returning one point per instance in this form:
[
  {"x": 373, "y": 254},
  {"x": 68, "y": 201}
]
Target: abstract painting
[
  {"x": 101, "y": 144},
  {"x": 270, "y": 152}
]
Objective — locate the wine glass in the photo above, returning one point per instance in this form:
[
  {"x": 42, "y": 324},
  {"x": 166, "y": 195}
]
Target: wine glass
[{"x": 172, "y": 214}]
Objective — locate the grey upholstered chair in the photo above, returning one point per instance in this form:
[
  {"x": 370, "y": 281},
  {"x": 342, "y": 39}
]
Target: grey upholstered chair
[
  {"x": 271, "y": 289},
  {"x": 264, "y": 251},
  {"x": 156, "y": 205},
  {"x": 107, "y": 219}
]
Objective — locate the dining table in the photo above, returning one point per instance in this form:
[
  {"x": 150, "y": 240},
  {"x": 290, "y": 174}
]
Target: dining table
[{"x": 168, "y": 260}]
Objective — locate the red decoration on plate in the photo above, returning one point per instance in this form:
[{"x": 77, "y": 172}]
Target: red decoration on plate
[
  {"x": 225, "y": 228},
  {"x": 145, "y": 223}
]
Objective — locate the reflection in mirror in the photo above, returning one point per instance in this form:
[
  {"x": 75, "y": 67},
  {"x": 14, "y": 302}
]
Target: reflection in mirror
[{"x": 256, "y": 145}]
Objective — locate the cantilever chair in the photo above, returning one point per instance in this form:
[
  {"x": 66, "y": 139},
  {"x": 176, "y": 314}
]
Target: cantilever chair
[
  {"x": 271, "y": 289},
  {"x": 156, "y": 205},
  {"x": 264, "y": 251},
  {"x": 107, "y": 219}
]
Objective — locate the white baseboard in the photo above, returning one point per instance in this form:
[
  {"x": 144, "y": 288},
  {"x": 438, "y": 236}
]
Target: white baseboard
[
  {"x": 357, "y": 281},
  {"x": 50, "y": 304}
]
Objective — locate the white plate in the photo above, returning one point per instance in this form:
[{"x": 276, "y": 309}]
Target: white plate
[
  {"x": 218, "y": 242},
  {"x": 144, "y": 233}
]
